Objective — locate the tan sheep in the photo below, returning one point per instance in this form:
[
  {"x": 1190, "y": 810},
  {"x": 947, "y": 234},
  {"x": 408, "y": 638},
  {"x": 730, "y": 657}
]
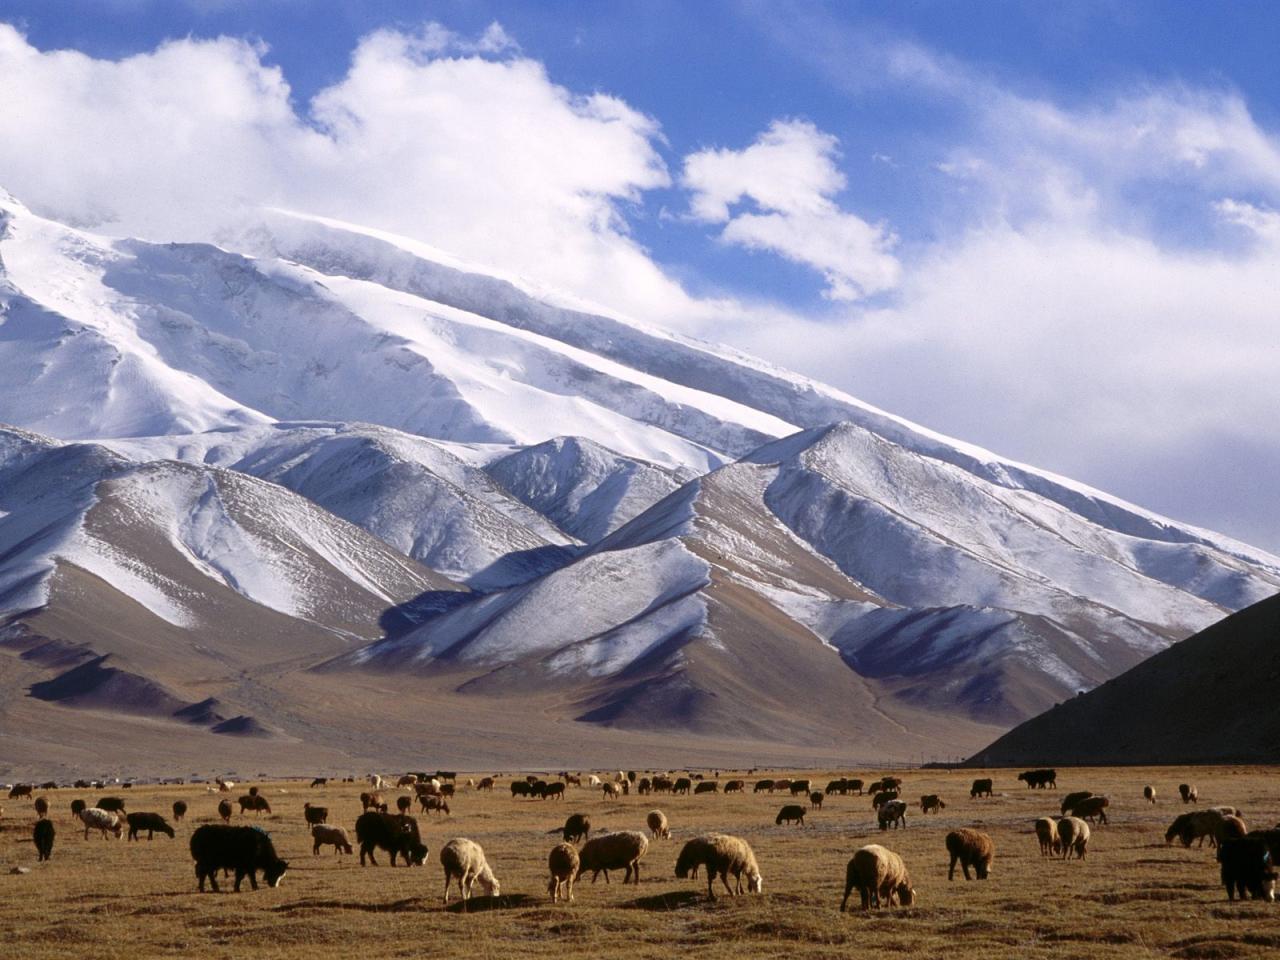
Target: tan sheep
[
  {"x": 1198, "y": 824},
  {"x": 1073, "y": 837},
  {"x": 611, "y": 790},
  {"x": 464, "y": 861},
  {"x": 722, "y": 855},
  {"x": 563, "y": 864},
  {"x": 657, "y": 821},
  {"x": 970, "y": 848},
  {"x": 879, "y": 876},
  {"x": 894, "y": 812},
  {"x": 322, "y": 835},
  {"x": 613, "y": 851},
  {"x": 1047, "y": 834},
  {"x": 931, "y": 803}
]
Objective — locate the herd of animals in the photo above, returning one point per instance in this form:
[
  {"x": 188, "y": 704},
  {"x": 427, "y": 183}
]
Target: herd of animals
[{"x": 879, "y": 875}]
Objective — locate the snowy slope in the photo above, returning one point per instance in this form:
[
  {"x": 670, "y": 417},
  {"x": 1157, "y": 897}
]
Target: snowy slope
[{"x": 415, "y": 494}]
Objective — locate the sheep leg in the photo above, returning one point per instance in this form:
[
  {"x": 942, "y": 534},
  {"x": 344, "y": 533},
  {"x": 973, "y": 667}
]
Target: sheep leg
[
  {"x": 724, "y": 878},
  {"x": 951, "y": 871},
  {"x": 447, "y": 878},
  {"x": 965, "y": 867}
]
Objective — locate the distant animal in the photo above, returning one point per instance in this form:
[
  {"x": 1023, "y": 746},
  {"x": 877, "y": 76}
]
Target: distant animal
[
  {"x": 554, "y": 791},
  {"x": 800, "y": 786},
  {"x": 314, "y": 815},
  {"x": 931, "y": 803},
  {"x": 735, "y": 786},
  {"x": 42, "y": 835},
  {"x": 783, "y": 784},
  {"x": 257, "y": 804},
  {"x": 377, "y": 782},
  {"x": 1188, "y": 792},
  {"x": 519, "y": 788},
  {"x": 762, "y": 785},
  {"x": 372, "y": 801},
  {"x": 882, "y": 797},
  {"x": 563, "y": 864},
  {"x": 150, "y": 822},
  {"x": 398, "y": 835},
  {"x": 682, "y": 785},
  {"x": 42, "y": 808},
  {"x": 114, "y": 804},
  {"x": 1039, "y": 779},
  {"x": 791, "y": 813},
  {"x": 95, "y": 818},
  {"x": 894, "y": 812},
  {"x": 645, "y": 786},
  {"x": 576, "y": 827},
  {"x": 245, "y": 850},
  {"x": 76, "y": 806},
  {"x": 815, "y": 800},
  {"x": 970, "y": 848},
  {"x": 486, "y": 783},
  {"x": 319, "y": 781},
  {"x": 464, "y": 861},
  {"x": 853, "y": 785},
  {"x": 612, "y": 791},
  {"x": 20, "y": 790},
  {"x": 432, "y": 804},
  {"x": 707, "y": 786},
  {"x": 224, "y": 810},
  {"x": 1247, "y": 867},
  {"x": 179, "y": 810},
  {"x": 879, "y": 876},
  {"x": 322, "y": 835},
  {"x": 722, "y": 855},
  {"x": 981, "y": 788},
  {"x": 1196, "y": 825},
  {"x": 1149, "y": 793}
]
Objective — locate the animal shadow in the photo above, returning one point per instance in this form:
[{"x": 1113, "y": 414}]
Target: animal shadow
[
  {"x": 483, "y": 904},
  {"x": 671, "y": 900}
]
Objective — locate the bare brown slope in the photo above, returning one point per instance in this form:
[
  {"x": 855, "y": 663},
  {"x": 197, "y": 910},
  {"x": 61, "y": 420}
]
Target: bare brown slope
[{"x": 1208, "y": 699}]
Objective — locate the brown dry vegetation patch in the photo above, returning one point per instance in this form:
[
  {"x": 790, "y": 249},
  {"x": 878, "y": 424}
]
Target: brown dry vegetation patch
[{"x": 1131, "y": 897}]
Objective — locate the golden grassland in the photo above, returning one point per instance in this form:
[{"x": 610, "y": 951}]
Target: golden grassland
[{"x": 1132, "y": 896}]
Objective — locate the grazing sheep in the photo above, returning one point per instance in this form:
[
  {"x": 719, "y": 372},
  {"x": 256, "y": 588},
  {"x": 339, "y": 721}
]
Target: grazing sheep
[
  {"x": 563, "y": 864},
  {"x": 76, "y": 806},
  {"x": 970, "y": 848},
  {"x": 42, "y": 836},
  {"x": 224, "y": 810},
  {"x": 610, "y": 790},
  {"x": 931, "y": 803},
  {"x": 879, "y": 875},
  {"x": 1047, "y": 834},
  {"x": 372, "y": 801},
  {"x": 42, "y": 808},
  {"x": 613, "y": 851},
  {"x": 839, "y": 786},
  {"x": 762, "y": 785},
  {"x": 1247, "y": 867},
  {"x": 408, "y": 780},
  {"x": 1188, "y": 792},
  {"x": 682, "y": 785},
  {"x": 1071, "y": 799},
  {"x": 577, "y": 827},
  {"x": 246, "y": 850},
  {"x": 430, "y": 804},
  {"x": 486, "y": 783},
  {"x": 393, "y": 833},
  {"x": 658, "y": 826},
  {"x": 1091, "y": 807},
  {"x": 707, "y": 786},
  {"x": 791, "y": 813},
  {"x": 735, "y": 786},
  {"x": 150, "y": 822},
  {"x": 463, "y": 860},
  {"x": 722, "y": 855},
  {"x": 179, "y": 810},
  {"x": 815, "y": 800},
  {"x": 1073, "y": 837},
  {"x": 1198, "y": 824},
  {"x": 663, "y": 784},
  {"x": 255, "y": 803},
  {"x": 1149, "y": 793},
  {"x": 882, "y": 797},
  {"x": 337, "y": 837},
  {"x": 314, "y": 815},
  {"x": 645, "y": 786},
  {"x": 224, "y": 786},
  {"x": 981, "y": 788},
  {"x": 894, "y": 812},
  {"x": 853, "y": 785},
  {"x": 783, "y": 784},
  {"x": 95, "y": 818},
  {"x": 593, "y": 781},
  {"x": 320, "y": 781}
]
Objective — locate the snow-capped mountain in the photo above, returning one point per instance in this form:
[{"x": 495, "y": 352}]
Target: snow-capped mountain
[{"x": 321, "y": 433}]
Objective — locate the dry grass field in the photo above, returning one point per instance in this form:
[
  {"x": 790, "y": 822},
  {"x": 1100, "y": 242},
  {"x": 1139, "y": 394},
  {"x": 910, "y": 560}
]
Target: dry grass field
[{"x": 1132, "y": 896}]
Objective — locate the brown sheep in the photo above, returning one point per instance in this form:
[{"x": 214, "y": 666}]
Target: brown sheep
[
  {"x": 179, "y": 809},
  {"x": 1188, "y": 792},
  {"x": 1047, "y": 834},
  {"x": 1071, "y": 799},
  {"x": 970, "y": 848},
  {"x": 791, "y": 813},
  {"x": 931, "y": 803},
  {"x": 1091, "y": 807},
  {"x": 486, "y": 783},
  {"x": 1198, "y": 824},
  {"x": 563, "y": 864},
  {"x": 335, "y": 836},
  {"x": 815, "y": 800},
  {"x": 613, "y": 851},
  {"x": 879, "y": 876}
]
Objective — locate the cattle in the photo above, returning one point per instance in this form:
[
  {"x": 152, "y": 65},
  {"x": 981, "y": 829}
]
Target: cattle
[
  {"x": 396, "y": 834},
  {"x": 245, "y": 850},
  {"x": 319, "y": 781},
  {"x": 20, "y": 790},
  {"x": 150, "y": 822},
  {"x": 114, "y": 804},
  {"x": 1247, "y": 867},
  {"x": 981, "y": 788},
  {"x": 682, "y": 785},
  {"x": 255, "y": 803},
  {"x": 1039, "y": 779}
]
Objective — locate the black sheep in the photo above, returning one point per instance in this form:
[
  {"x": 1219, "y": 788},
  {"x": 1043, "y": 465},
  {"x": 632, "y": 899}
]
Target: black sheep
[
  {"x": 394, "y": 833},
  {"x": 150, "y": 822},
  {"x": 246, "y": 850},
  {"x": 42, "y": 835}
]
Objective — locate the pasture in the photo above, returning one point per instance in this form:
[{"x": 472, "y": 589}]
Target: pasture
[{"x": 1133, "y": 895}]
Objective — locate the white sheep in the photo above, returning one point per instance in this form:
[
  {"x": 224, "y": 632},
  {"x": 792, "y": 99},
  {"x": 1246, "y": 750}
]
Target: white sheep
[
  {"x": 613, "y": 851},
  {"x": 377, "y": 782},
  {"x": 593, "y": 781},
  {"x": 1073, "y": 836},
  {"x": 563, "y": 863},
  {"x": 722, "y": 855},
  {"x": 464, "y": 860},
  {"x": 657, "y": 821},
  {"x": 104, "y": 820}
]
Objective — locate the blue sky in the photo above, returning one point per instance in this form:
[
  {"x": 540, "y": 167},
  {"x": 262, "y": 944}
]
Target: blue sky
[{"x": 1046, "y": 228}]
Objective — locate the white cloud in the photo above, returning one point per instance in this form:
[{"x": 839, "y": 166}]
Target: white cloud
[{"x": 791, "y": 177}]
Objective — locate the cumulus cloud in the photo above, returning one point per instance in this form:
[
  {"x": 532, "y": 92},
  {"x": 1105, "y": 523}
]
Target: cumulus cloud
[
  {"x": 790, "y": 177},
  {"x": 459, "y": 142}
]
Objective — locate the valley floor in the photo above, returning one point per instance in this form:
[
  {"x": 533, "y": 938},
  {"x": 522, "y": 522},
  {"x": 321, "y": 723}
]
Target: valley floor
[{"x": 1132, "y": 896}]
